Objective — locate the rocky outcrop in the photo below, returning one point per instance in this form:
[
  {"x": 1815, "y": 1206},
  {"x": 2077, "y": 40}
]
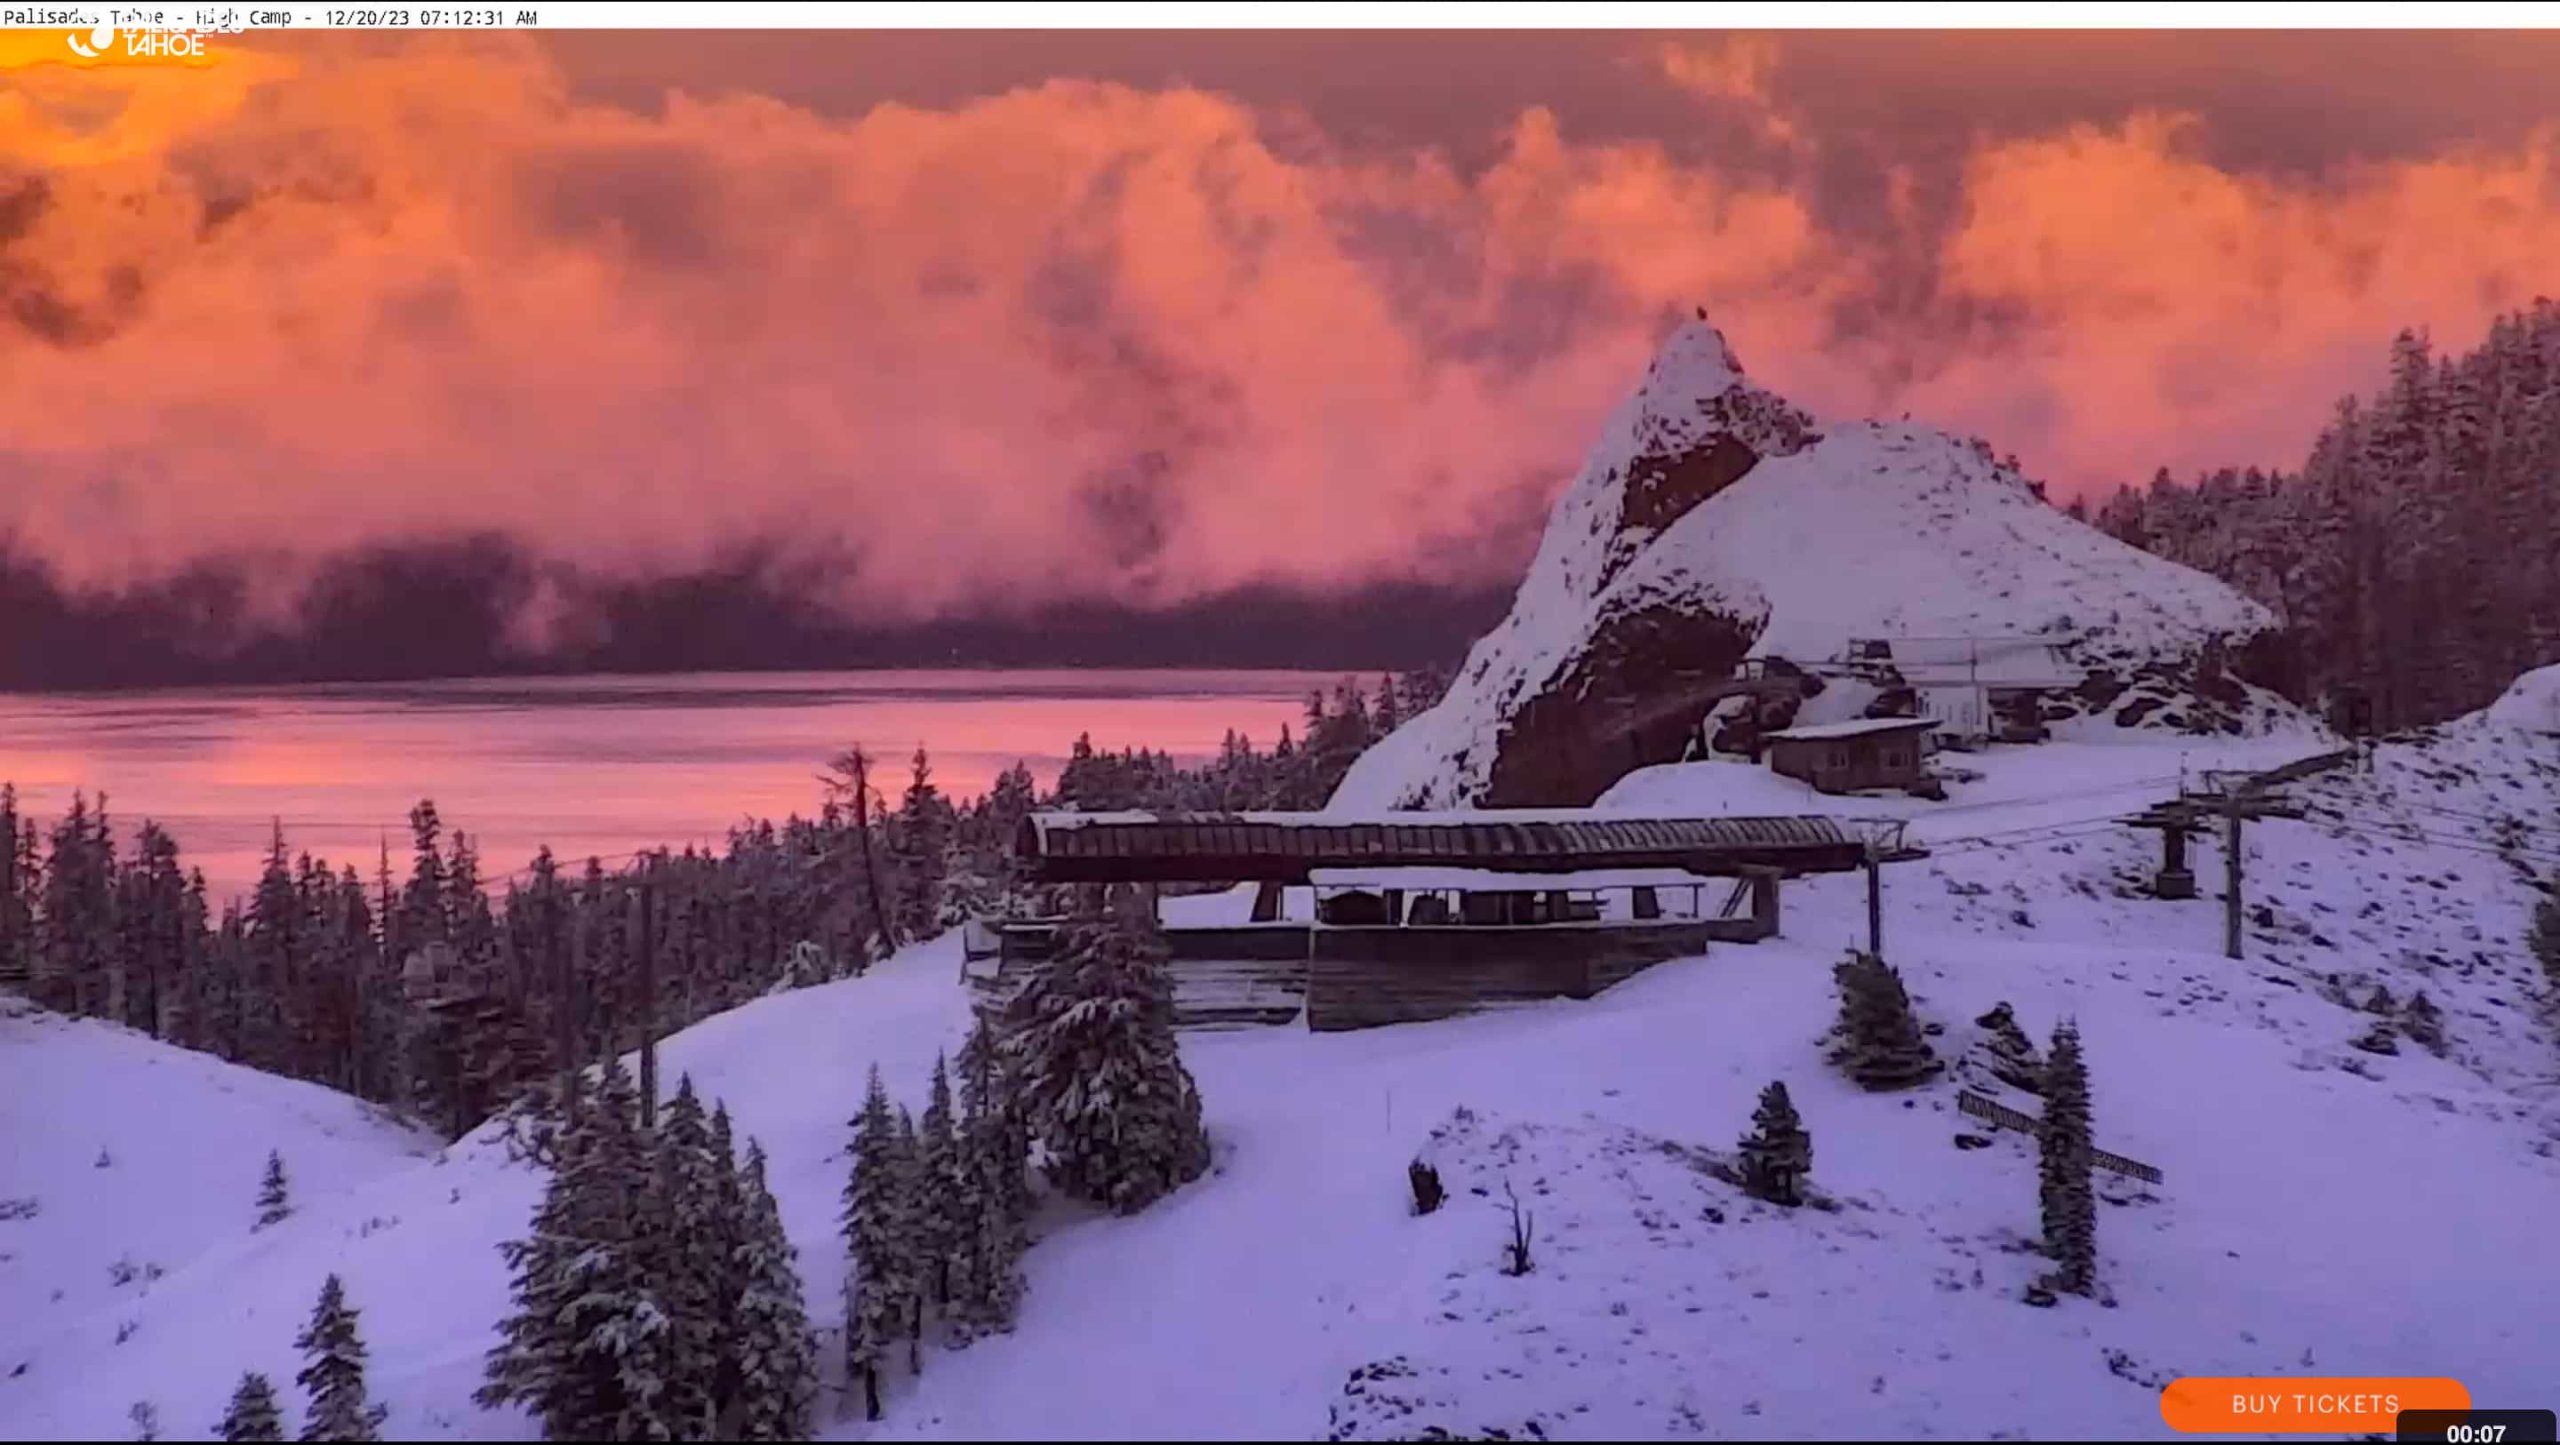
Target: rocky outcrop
[
  {"x": 1631, "y": 697},
  {"x": 1714, "y": 526}
]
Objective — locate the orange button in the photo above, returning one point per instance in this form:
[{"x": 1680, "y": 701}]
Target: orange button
[{"x": 2210, "y": 1405}]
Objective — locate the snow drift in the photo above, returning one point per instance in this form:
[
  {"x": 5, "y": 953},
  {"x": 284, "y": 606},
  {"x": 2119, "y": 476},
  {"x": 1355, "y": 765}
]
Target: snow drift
[{"x": 1714, "y": 523}]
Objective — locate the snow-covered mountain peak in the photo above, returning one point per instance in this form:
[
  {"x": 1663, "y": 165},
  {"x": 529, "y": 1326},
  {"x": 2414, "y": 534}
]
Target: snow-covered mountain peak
[
  {"x": 1712, "y": 523},
  {"x": 1693, "y": 426}
]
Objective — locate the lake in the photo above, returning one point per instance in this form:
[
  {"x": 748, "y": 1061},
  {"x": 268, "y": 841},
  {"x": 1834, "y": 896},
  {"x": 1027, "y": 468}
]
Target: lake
[{"x": 589, "y": 765}]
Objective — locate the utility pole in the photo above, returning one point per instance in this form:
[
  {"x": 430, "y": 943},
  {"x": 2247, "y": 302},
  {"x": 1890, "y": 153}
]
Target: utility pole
[
  {"x": 648, "y": 1001},
  {"x": 2231, "y": 870},
  {"x": 1875, "y": 902}
]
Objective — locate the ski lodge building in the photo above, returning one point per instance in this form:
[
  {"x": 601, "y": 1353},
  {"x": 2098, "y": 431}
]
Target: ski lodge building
[{"x": 1417, "y": 915}]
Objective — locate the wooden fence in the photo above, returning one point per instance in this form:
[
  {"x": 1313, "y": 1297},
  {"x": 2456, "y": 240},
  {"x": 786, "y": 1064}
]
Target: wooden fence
[{"x": 2002, "y": 1115}]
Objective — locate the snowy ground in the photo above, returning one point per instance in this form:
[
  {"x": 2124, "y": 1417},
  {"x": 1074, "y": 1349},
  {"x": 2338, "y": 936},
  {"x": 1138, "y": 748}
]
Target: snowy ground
[
  {"x": 2325, "y": 1211},
  {"x": 126, "y": 1164}
]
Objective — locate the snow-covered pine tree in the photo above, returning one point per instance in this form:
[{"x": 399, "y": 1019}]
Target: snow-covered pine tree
[
  {"x": 1777, "y": 1154},
  {"x": 941, "y": 1175},
  {"x": 734, "y": 1206},
  {"x": 1879, "y": 1042},
  {"x": 993, "y": 1201},
  {"x": 913, "y": 1263},
  {"x": 254, "y": 1413},
  {"x": 2007, "y": 1054},
  {"x": 991, "y": 1093},
  {"x": 693, "y": 1263},
  {"x": 587, "y": 1346},
  {"x": 2382, "y": 1038},
  {"x": 875, "y": 1295},
  {"x": 921, "y": 842},
  {"x": 2069, "y": 1193},
  {"x": 274, "y": 1204},
  {"x": 332, "y": 1374},
  {"x": 1101, "y": 1074},
  {"x": 777, "y": 1359},
  {"x": 2423, "y": 1022}
]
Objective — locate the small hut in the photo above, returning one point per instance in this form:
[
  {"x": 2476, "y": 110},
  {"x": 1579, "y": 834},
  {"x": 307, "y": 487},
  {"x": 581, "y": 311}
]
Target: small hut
[{"x": 1844, "y": 757}]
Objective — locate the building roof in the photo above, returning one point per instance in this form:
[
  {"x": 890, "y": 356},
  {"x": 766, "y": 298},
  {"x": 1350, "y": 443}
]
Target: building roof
[
  {"x": 1855, "y": 728},
  {"x": 1487, "y": 880},
  {"x": 1290, "y": 847},
  {"x": 2035, "y": 662}
]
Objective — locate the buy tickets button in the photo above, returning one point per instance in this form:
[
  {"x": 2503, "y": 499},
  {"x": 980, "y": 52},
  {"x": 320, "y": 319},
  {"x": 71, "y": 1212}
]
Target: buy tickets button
[{"x": 2211, "y": 1405}]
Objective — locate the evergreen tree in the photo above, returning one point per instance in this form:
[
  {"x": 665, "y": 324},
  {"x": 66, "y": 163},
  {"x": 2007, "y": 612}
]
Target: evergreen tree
[
  {"x": 332, "y": 1376},
  {"x": 254, "y": 1413},
  {"x": 273, "y": 1205},
  {"x": 1099, "y": 1070},
  {"x": 2423, "y": 1022},
  {"x": 2007, "y": 1054},
  {"x": 735, "y": 1208},
  {"x": 875, "y": 1232},
  {"x": 18, "y": 888},
  {"x": 586, "y": 1348},
  {"x": 991, "y": 1094},
  {"x": 913, "y": 1265},
  {"x": 1878, "y": 1043},
  {"x": 694, "y": 1263},
  {"x": 1777, "y": 1154},
  {"x": 991, "y": 1200},
  {"x": 995, "y": 1197},
  {"x": 941, "y": 1171},
  {"x": 921, "y": 846},
  {"x": 2410, "y": 556},
  {"x": 75, "y": 914},
  {"x": 2066, "y": 1186},
  {"x": 777, "y": 1359}
]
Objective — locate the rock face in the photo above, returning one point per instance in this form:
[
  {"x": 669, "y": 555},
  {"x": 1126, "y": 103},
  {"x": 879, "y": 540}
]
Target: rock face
[{"x": 1714, "y": 524}]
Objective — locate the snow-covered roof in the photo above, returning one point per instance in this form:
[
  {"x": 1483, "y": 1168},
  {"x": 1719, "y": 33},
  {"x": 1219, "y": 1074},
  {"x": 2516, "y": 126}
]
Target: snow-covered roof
[
  {"x": 1286, "y": 847},
  {"x": 1486, "y": 880},
  {"x": 1861, "y": 727},
  {"x": 1989, "y": 661}
]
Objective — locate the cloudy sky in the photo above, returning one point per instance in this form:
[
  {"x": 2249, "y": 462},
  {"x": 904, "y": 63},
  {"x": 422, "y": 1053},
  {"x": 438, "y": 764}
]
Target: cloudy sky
[{"x": 971, "y": 323}]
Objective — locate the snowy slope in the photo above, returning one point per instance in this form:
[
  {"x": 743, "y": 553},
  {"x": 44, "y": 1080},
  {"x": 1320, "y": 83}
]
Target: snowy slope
[
  {"x": 140, "y": 1155},
  {"x": 2325, "y": 1211},
  {"x": 1863, "y": 530}
]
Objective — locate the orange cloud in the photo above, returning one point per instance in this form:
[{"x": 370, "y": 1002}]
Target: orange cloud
[
  {"x": 2163, "y": 311},
  {"x": 1735, "y": 69},
  {"x": 1075, "y": 340},
  {"x": 1067, "y": 340}
]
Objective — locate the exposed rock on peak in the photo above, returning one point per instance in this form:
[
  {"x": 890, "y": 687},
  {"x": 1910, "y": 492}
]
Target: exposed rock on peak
[{"x": 1713, "y": 524}]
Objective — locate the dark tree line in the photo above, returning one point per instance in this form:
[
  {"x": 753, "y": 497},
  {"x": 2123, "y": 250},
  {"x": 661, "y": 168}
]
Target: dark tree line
[
  {"x": 1299, "y": 771},
  {"x": 2415, "y": 557},
  {"x": 434, "y": 988}
]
